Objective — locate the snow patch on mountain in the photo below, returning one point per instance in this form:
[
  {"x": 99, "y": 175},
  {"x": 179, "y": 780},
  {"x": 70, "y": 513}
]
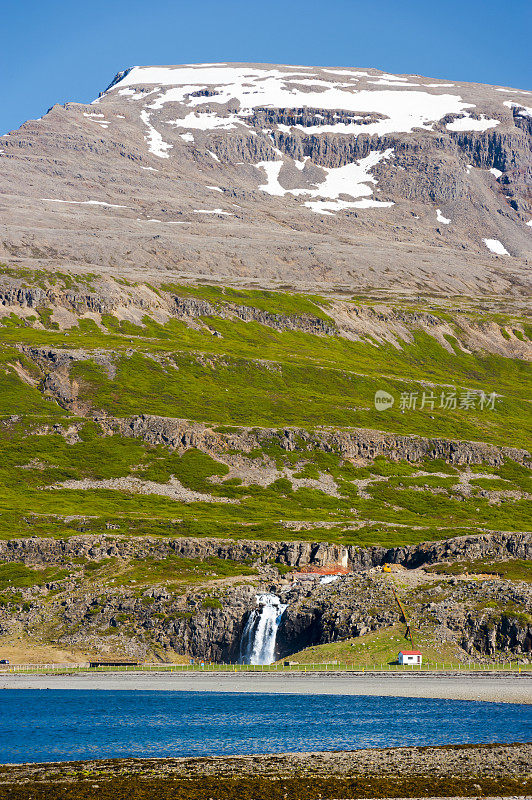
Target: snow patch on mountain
[
  {"x": 272, "y": 170},
  {"x": 387, "y": 82},
  {"x": 350, "y": 180},
  {"x": 468, "y": 123},
  {"x": 513, "y": 91},
  {"x": 206, "y": 121},
  {"x": 217, "y": 211},
  {"x": 83, "y": 202},
  {"x": 252, "y": 88},
  {"x": 496, "y": 247},
  {"x": 523, "y": 111},
  {"x": 133, "y": 95},
  {"x": 99, "y": 119},
  {"x": 330, "y": 206},
  {"x": 156, "y": 144},
  {"x": 320, "y": 84},
  {"x": 164, "y": 221}
]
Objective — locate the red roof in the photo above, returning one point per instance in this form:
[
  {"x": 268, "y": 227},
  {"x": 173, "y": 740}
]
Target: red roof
[
  {"x": 330, "y": 570},
  {"x": 410, "y": 652}
]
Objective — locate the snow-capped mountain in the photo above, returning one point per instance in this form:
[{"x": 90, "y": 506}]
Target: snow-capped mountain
[{"x": 344, "y": 177}]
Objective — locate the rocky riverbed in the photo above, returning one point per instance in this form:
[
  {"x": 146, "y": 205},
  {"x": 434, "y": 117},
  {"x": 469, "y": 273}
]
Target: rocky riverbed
[{"x": 452, "y": 771}]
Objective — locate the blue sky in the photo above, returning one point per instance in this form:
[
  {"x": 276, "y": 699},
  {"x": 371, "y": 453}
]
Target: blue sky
[{"x": 53, "y": 50}]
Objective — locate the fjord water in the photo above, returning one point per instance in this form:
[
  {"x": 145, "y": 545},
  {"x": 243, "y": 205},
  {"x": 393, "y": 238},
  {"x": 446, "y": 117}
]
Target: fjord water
[{"x": 62, "y": 725}]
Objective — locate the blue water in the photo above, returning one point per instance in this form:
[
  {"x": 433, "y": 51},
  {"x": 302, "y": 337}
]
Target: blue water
[{"x": 59, "y": 725}]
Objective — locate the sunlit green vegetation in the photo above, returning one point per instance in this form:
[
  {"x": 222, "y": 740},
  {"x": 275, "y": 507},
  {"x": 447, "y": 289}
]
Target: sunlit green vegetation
[
  {"x": 379, "y": 648},
  {"x": 287, "y": 303},
  {"x": 395, "y": 507},
  {"x": 251, "y": 375},
  {"x": 517, "y": 569},
  {"x": 19, "y": 576},
  {"x": 171, "y": 570}
]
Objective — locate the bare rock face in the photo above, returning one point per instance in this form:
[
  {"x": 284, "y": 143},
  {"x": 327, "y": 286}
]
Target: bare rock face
[
  {"x": 359, "y": 443},
  {"x": 482, "y": 616},
  {"x": 275, "y": 174},
  {"x": 38, "y": 552}
]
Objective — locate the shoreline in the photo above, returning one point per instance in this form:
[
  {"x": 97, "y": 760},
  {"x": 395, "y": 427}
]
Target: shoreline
[
  {"x": 485, "y": 770},
  {"x": 473, "y": 687}
]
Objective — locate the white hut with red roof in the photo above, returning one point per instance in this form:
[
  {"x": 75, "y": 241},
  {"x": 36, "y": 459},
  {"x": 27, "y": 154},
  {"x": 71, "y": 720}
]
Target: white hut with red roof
[{"x": 409, "y": 657}]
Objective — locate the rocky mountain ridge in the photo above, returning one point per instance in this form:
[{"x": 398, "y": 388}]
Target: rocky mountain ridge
[
  {"x": 91, "y": 296},
  {"x": 307, "y": 175}
]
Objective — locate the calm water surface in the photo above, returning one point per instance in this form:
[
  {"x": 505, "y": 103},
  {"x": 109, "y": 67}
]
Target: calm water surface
[{"x": 59, "y": 725}]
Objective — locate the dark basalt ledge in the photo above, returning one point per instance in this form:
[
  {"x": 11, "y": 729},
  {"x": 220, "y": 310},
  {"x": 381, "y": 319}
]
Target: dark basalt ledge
[
  {"x": 38, "y": 552},
  {"x": 194, "y": 308},
  {"x": 107, "y": 297},
  {"x": 350, "y": 444},
  {"x": 450, "y": 771},
  {"x": 101, "y": 302}
]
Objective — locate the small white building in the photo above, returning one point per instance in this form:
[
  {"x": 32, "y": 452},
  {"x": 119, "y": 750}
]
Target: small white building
[{"x": 409, "y": 657}]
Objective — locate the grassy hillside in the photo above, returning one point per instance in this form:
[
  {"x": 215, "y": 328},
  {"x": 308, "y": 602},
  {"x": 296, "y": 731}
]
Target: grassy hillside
[
  {"x": 255, "y": 375},
  {"x": 381, "y": 648},
  {"x": 249, "y": 375}
]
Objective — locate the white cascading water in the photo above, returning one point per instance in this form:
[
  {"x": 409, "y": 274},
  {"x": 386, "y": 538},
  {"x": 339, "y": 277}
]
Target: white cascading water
[{"x": 257, "y": 645}]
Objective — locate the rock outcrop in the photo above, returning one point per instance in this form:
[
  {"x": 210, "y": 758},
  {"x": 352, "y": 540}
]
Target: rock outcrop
[
  {"x": 350, "y": 444},
  {"x": 483, "y": 617},
  {"x": 40, "y": 552}
]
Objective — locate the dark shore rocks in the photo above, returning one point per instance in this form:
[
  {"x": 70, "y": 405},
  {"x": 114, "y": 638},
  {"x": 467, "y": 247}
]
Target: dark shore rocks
[{"x": 487, "y": 770}]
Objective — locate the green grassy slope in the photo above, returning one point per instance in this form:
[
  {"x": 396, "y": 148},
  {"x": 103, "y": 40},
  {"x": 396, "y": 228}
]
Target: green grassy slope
[
  {"x": 250, "y": 375},
  {"x": 381, "y": 648},
  {"x": 255, "y": 375}
]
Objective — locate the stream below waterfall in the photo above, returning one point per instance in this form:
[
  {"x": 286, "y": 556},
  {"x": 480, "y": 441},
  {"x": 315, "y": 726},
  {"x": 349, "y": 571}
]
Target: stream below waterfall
[{"x": 257, "y": 645}]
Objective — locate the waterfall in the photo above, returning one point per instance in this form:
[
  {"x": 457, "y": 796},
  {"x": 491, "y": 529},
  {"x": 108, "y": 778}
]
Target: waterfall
[{"x": 257, "y": 645}]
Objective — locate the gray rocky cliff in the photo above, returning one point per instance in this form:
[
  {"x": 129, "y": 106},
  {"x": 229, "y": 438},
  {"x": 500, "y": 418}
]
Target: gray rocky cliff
[
  {"x": 482, "y": 617},
  {"x": 39, "y": 552}
]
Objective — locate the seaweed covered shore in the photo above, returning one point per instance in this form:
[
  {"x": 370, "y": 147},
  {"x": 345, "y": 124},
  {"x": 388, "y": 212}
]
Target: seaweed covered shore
[{"x": 489, "y": 770}]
